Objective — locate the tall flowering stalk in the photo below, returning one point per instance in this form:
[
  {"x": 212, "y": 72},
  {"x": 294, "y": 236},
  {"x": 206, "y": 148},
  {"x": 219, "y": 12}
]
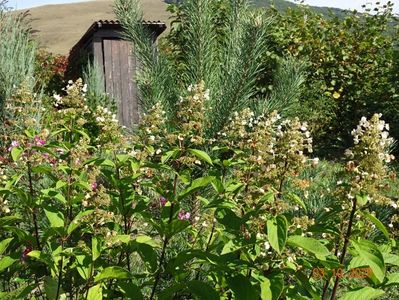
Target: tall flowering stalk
[{"x": 366, "y": 172}]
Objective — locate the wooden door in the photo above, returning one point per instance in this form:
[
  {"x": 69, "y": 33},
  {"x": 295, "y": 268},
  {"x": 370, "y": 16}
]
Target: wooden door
[{"x": 119, "y": 72}]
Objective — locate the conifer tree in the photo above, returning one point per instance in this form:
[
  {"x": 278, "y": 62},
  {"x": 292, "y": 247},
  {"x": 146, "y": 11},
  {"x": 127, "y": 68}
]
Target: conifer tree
[{"x": 225, "y": 52}]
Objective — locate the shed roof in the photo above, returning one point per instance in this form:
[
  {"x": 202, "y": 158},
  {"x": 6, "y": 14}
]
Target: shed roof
[{"x": 155, "y": 26}]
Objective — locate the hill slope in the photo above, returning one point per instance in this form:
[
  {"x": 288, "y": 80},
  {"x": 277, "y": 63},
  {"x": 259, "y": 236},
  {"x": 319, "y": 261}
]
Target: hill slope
[
  {"x": 58, "y": 27},
  {"x": 283, "y": 5}
]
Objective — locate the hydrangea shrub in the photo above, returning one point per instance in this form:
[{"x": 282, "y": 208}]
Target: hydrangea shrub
[{"x": 90, "y": 212}]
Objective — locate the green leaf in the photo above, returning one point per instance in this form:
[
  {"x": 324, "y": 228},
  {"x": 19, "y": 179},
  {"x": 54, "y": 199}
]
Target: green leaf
[
  {"x": 230, "y": 247},
  {"x": 277, "y": 232},
  {"x": 303, "y": 283},
  {"x": 51, "y": 287},
  {"x": 276, "y": 285},
  {"x": 195, "y": 185},
  {"x": 130, "y": 291},
  {"x": 202, "y": 290},
  {"x": 144, "y": 239},
  {"x": 242, "y": 288},
  {"x": 295, "y": 198},
  {"x": 84, "y": 265},
  {"x": 4, "y": 244},
  {"x": 107, "y": 163},
  {"x": 9, "y": 220},
  {"x": 122, "y": 157},
  {"x": 169, "y": 292},
  {"x": 169, "y": 154},
  {"x": 265, "y": 289},
  {"x": 95, "y": 248},
  {"x": 377, "y": 223},
  {"x": 84, "y": 134},
  {"x": 42, "y": 169},
  {"x": 20, "y": 293},
  {"x": 372, "y": 259},
  {"x": 148, "y": 255},
  {"x": 60, "y": 184},
  {"x": 362, "y": 199},
  {"x": 234, "y": 187},
  {"x": 308, "y": 244},
  {"x": 120, "y": 238},
  {"x": 76, "y": 221},
  {"x": 393, "y": 279},
  {"x": 201, "y": 155},
  {"x": 229, "y": 219},
  {"x": 6, "y": 262},
  {"x": 35, "y": 254},
  {"x": 112, "y": 273},
  {"x": 95, "y": 293},
  {"x": 53, "y": 193},
  {"x": 391, "y": 259},
  {"x": 267, "y": 197},
  {"x": 366, "y": 293},
  {"x": 218, "y": 186},
  {"x": 45, "y": 258},
  {"x": 185, "y": 176},
  {"x": 16, "y": 153},
  {"x": 176, "y": 226},
  {"x": 55, "y": 217}
]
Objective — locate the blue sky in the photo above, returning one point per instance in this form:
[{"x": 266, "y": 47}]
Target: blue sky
[{"x": 348, "y": 4}]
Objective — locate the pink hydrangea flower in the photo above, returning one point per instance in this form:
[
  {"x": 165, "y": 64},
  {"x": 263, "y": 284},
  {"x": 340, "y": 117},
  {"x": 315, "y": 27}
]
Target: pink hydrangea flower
[
  {"x": 13, "y": 145},
  {"x": 163, "y": 200},
  {"x": 184, "y": 215},
  {"x": 39, "y": 141}
]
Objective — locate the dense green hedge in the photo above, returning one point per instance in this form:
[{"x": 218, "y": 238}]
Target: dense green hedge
[{"x": 351, "y": 66}]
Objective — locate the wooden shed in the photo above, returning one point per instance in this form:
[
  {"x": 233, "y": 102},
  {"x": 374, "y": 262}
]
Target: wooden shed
[{"x": 104, "y": 44}]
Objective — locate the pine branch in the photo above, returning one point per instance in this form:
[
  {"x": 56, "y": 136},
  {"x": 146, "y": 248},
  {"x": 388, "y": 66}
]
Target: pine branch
[{"x": 288, "y": 82}]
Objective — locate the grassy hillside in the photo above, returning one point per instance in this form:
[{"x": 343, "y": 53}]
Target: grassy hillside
[
  {"x": 59, "y": 27},
  {"x": 283, "y": 5}
]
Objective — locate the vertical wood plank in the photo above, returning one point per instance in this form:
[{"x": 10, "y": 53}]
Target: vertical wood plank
[
  {"x": 98, "y": 56},
  {"x": 108, "y": 67},
  {"x": 116, "y": 79},
  {"x": 120, "y": 79},
  {"x": 133, "y": 84},
  {"x": 98, "y": 51}
]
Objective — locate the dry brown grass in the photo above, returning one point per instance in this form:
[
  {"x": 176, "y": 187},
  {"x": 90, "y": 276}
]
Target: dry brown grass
[{"x": 60, "y": 26}]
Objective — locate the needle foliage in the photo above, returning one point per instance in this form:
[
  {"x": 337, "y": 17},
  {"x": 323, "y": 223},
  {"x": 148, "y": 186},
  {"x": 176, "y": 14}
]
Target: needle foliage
[{"x": 224, "y": 50}]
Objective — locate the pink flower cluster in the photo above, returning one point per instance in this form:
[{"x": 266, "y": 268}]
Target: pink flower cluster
[
  {"x": 14, "y": 144},
  {"x": 184, "y": 215},
  {"x": 163, "y": 201},
  {"x": 51, "y": 160},
  {"x": 39, "y": 141}
]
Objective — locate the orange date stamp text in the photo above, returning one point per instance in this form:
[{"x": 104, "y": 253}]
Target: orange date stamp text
[{"x": 358, "y": 273}]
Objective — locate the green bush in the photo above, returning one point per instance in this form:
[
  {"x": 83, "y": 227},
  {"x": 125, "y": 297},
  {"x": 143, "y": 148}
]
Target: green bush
[
  {"x": 17, "y": 55},
  {"x": 349, "y": 59},
  {"x": 351, "y": 68},
  {"x": 180, "y": 210},
  {"x": 50, "y": 71},
  {"x": 87, "y": 212}
]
